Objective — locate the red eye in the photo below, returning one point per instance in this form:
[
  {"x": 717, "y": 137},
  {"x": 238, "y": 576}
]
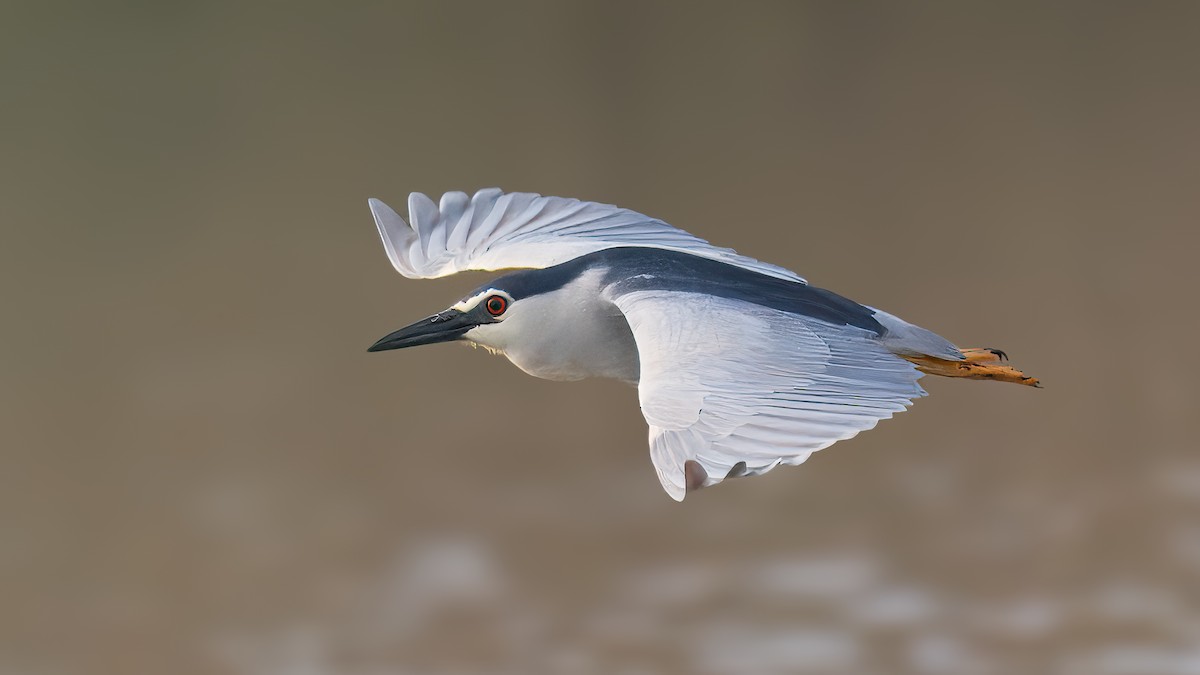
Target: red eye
[{"x": 496, "y": 305}]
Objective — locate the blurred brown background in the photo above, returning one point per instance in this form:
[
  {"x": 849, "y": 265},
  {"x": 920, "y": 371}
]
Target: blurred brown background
[{"x": 203, "y": 471}]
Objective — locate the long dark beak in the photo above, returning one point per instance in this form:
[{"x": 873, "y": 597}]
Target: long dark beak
[{"x": 441, "y": 327}]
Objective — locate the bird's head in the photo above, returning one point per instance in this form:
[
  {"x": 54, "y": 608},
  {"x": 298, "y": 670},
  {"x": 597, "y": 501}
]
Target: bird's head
[
  {"x": 477, "y": 318},
  {"x": 550, "y": 322}
]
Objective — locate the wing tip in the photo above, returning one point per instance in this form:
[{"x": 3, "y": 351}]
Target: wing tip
[
  {"x": 384, "y": 214},
  {"x": 394, "y": 232},
  {"x": 675, "y": 492}
]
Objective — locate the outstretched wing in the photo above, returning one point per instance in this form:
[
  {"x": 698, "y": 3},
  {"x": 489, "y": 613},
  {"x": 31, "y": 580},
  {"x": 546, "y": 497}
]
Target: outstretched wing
[
  {"x": 739, "y": 388},
  {"x": 493, "y": 230}
]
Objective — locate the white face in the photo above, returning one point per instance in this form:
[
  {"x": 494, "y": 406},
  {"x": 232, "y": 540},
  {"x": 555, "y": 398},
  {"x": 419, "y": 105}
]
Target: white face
[
  {"x": 532, "y": 328},
  {"x": 565, "y": 334},
  {"x": 531, "y": 333}
]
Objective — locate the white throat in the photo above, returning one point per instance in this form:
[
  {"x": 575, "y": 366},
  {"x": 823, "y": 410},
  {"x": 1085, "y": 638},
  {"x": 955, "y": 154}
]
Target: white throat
[{"x": 566, "y": 334}]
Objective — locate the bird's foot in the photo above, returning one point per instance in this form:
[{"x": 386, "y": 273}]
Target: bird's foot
[
  {"x": 977, "y": 364},
  {"x": 983, "y": 355}
]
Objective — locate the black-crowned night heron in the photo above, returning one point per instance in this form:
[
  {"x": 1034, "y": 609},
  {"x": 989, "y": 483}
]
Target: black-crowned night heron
[{"x": 740, "y": 365}]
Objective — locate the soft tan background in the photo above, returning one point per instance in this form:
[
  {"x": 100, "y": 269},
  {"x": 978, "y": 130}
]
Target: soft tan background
[{"x": 203, "y": 471}]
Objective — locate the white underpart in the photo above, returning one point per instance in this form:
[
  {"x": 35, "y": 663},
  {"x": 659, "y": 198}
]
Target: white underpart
[
  {"x": 492, "y": 230},
  {"x": 567, "y": 334}
]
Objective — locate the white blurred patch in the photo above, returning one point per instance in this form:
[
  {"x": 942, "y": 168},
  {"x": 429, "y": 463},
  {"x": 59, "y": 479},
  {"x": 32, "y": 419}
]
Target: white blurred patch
[
  {"x": 1134, "y": 602},
  {"x": 1184, "y": 543},
  {"x": 1024, "y": 618},
  {"x": 427, "y": 580},
  {"x": 938, "y": 654},
  {"x": 741, "y": 648},
  {"x": 674, "y": 584},
  {"x": 443, "y": 571},
  {"x": 1135, "y": 660},
  {"x": 1180, "y": 480},
  {"x": 832, "y": 577},
  {"x": 300, "y": 650},
  {"x": 893, "y": 607}
]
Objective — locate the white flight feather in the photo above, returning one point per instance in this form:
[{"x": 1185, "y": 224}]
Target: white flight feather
[
  {"x": 725, "y": 382},
  {"x": 493, "y": 230}
]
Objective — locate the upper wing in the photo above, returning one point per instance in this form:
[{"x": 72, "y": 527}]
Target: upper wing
[
  {"x": 740, "y": 388},
  {"x": 493, "y": 230}
]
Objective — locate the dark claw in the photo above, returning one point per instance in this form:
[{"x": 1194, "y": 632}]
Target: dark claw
[{"x": 1002, "y": 356}]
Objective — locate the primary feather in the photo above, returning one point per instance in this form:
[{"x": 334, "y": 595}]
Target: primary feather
[{"x": 492, "y": 230}]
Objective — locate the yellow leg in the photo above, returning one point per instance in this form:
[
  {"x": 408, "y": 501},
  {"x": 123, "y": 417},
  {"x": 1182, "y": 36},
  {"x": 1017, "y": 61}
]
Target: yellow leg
[{"x": 977, "y": 364}]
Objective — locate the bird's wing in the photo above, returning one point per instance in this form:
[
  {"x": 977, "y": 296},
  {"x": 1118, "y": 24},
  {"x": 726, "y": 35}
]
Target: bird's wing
[
  {"x": 493, "y": 230},
  {"x": 739, "y": 388}
]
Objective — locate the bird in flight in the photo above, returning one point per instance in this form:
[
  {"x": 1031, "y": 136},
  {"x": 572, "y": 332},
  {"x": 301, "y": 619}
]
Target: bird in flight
[{"x": 740, "y": 365}]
